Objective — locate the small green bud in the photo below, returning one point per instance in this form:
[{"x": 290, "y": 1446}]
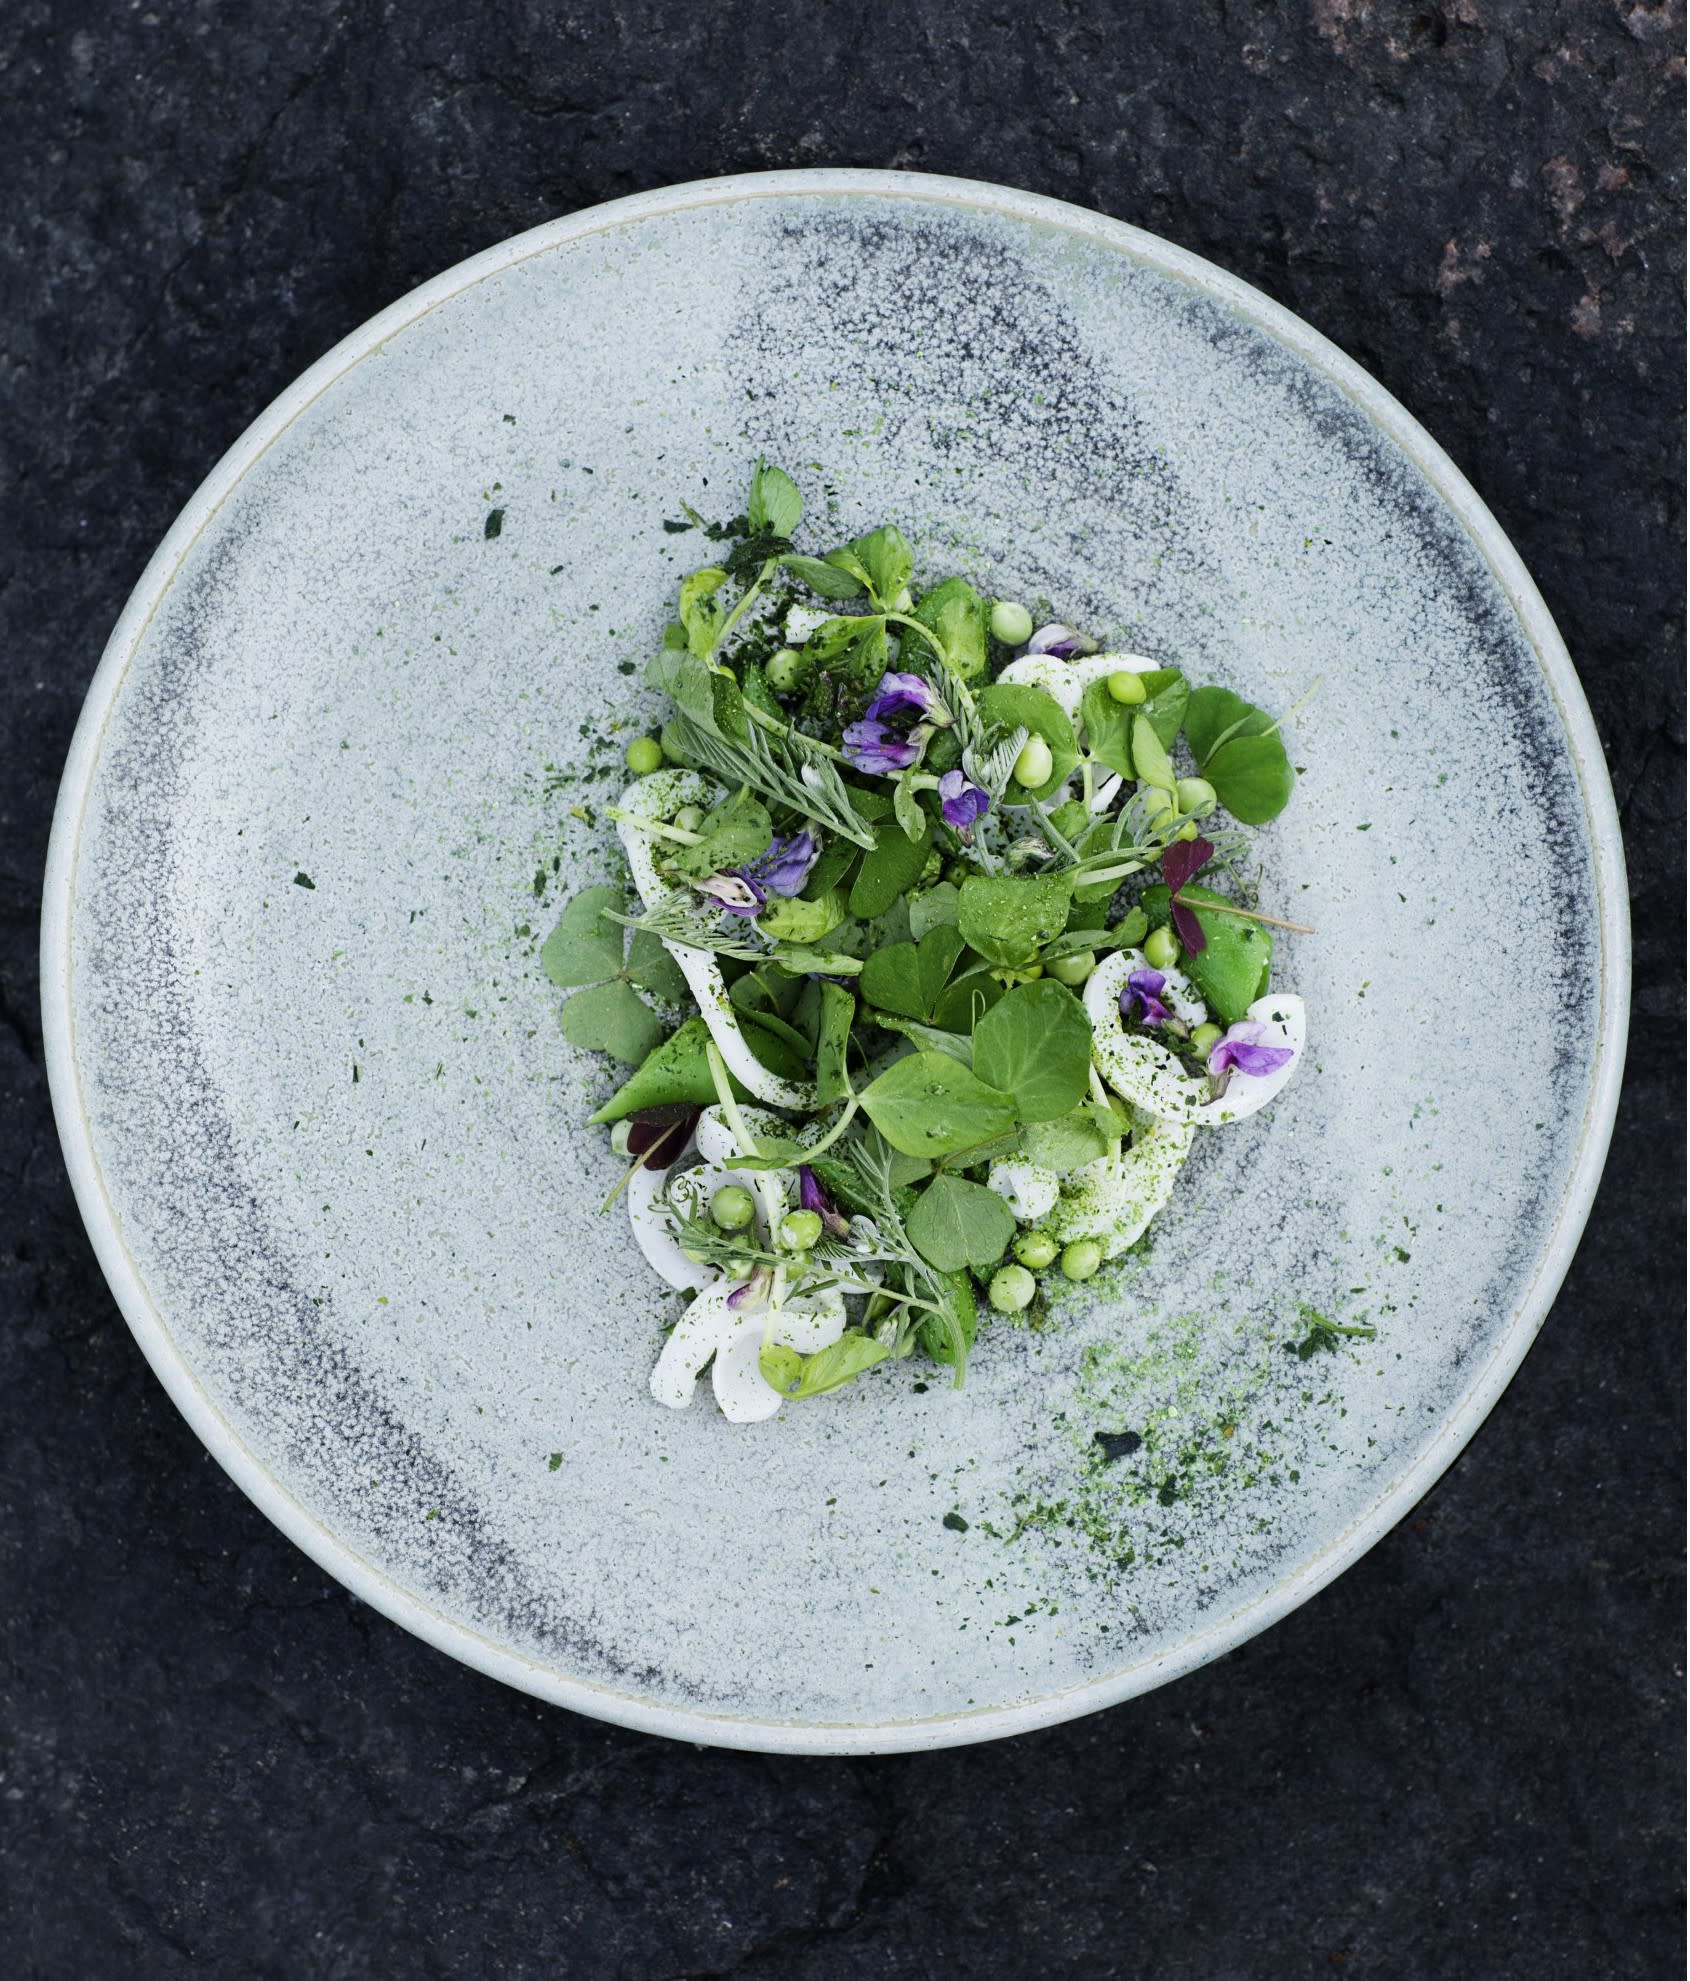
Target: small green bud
[
  {"x": 1161, "y": 949},
  {"x": 1196, "y": 795},
  {"x": 1035, "y": 763},
  {"x": 1036, "y": 1249},
  {"x": 785, "y": 670},
  {"x": 689, "y": 818},
  {"x": 1126, "y": 686},
  {"x": 731, "y": 1208},
  {"x": 1012, "y": 1288},
  {"x": 1011, "y": 623},
  {"x": 1073, "y": 970},
  {"x": 799, "y": 1230},
  {"x": 645, "y": 754},
  {"x": 1081, "y": 1259}
]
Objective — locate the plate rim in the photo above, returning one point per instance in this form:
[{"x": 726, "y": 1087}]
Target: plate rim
[{"x": 1216, "y": 1635}]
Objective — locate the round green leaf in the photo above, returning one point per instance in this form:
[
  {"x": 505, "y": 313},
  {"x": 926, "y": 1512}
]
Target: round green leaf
[
  {"x": 1035, "y": 1044},
  {"x": 931, "y": 1105}
]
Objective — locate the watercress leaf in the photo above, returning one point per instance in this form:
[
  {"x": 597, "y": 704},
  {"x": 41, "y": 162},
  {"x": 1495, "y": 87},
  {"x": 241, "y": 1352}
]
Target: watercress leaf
[
  {"x": 1130, "y": 930},
  {"x": 885, "y": 559},
  {"x": 849, "y": 1356},
  {"x": 888, "y": 871},
  {"x": 754, "y": 686},
  {"x": 702, "y": 612},
  {"x": 652, "y": 967},
  {"x": 828, "y": 580},
  {"x": 775, "y": 505},
  {"x": 1008, "y": 918},
  {"x": 931, "y": 1105},
  {"x": 906, "y": 806},
  {"x": 948, "y": 1337},
  {"x": 1036, "y": 1044},
  {"x": 956, "y": 1223},
  {"x": 1068, "y": 1142},
  {"x": 732, "y": 833},
  {"x": 933, "y": 906},
  {"x": 796, "y": 920},
  {"x": 1252, "y": 777},
  {"x": 967, "y": 1000},
  {"x": 833, "y": 1032},
  {"x": 837, "y": 635},
  {"x": 585, "y": 948},
  {"x": 1012, "y": 706},
  {"x": 1232, "y": 968},
  {"x": 611, "y": 1018},
  {"x": 956, "y": 614}
]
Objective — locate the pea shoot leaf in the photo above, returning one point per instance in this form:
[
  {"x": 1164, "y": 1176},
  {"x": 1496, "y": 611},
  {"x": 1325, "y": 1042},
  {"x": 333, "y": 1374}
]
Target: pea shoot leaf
[
  {"x": 1070, "y": 1141},
  {"x": 833, "y": 1032},
  {"x": 702, "y": 612},
  {"x": 1151, "y": 762},
  {"x": 931, "y": 1105},
  {"x": 1036, "y": 1045},
  {"x": 967, "y": 999},
  {"x": 813, "y": 1375},
  {"x": 888, "y": 872},
  {"x": 931, "y": 907},
  {"x": 949, "y": 1336},
  {"x": 1238, "y": 749},
  {"x": 956, "y": 1223},
  {"x": 775, "y": 504},
  {"x": 828, "y": 580},
  {"x": 907, "y": 977},
  {"x": 675, "y": 1072},
  {"x": 956, "y": 614},
  {"x": 884, "y": 559},
  {"x": 1008, "y": 918}
]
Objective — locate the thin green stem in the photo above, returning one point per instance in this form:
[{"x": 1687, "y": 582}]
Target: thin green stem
[
  {"x": 674, "y": 832},
  {"x": 725, "y": 1095},
  {"x": 1249, "y": 915},
  {"x": 745, "y": 599},
  {"x": 776, "y": 727}
]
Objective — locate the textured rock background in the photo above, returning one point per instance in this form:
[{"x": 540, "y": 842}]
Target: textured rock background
[{"x": 1460, "y": 1760}]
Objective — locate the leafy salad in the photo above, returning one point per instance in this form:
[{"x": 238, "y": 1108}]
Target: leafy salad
[{"x": 935, "y": 960}]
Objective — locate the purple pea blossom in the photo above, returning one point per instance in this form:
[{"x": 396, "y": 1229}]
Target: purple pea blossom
[
  {"x": 961, "y": 802},
  {"x": 782, "y": 870},
  {"x": 1142, "y": 999},
  {"x": 1242, "y": 1051},
  {"x": 812, "y": 1197},
  {"x": 1060, "y": 641},
  {"x": 894, "y": 728},
  {"x": 754, "y": 1293}
]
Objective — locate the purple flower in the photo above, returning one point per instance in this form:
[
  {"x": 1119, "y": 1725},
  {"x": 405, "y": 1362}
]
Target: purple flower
[
  {"x": 734, "y": 892},
  {"x": 1242, "y": 1051},
  {"x": 785, "y": 867},
  {"x": 812, "y": 1197},
  {"x": 1061, "y": 641},
  {"x": 907, "y": 695},
  {"x": 754, "y": 1293},
  {"x": 895, "y": 726},
  {"x": 961, "y": 802},
  {"x": 1142, "y": 999}
]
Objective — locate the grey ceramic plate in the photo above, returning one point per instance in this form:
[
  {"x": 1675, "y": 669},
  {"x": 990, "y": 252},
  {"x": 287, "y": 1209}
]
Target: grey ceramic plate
[{"x": 329, "y": 1140}]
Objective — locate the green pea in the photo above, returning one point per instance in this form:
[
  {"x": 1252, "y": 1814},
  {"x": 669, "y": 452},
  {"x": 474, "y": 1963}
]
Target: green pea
[
  {"x": 799, "y": 1230},
  {"x": 1126, "y": 686},
  {"x": 645, "y": 754},
  {"x": 1081, "y": 1259},
  {"x": 1161, "y": 949},
  {"x": 1160, "y": 810},
  {"x": 731, "y": 1208},
  {"x": 957, "y": 872},
  {"x": 1205, "y": 1039},
  {"x": 1035, "y": 763},
  {"x": 1011, "y": 623},
  {"x": 1011, "y": 1289},
  {"x": 689, "y": 818},
  {"x": 1073, "y": 970},
  {"x": 1196, "y": 795},
  {"x": 1188, "y": 830},
  {"x": 785, "y": 670},
  {"x": 1036, "y": 1249}
]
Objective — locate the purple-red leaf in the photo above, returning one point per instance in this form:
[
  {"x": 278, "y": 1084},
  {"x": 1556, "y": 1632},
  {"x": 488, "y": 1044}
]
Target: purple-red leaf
[
  {"x": 660, "y": 1133},
  {"x": 1181, "y": 862}
]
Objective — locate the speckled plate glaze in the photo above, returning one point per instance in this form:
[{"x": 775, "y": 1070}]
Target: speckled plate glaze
[{"x": 330, "y": 1142}]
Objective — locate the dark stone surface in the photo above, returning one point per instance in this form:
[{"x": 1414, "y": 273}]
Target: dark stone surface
[{"x": 1461, "y": 1760}]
